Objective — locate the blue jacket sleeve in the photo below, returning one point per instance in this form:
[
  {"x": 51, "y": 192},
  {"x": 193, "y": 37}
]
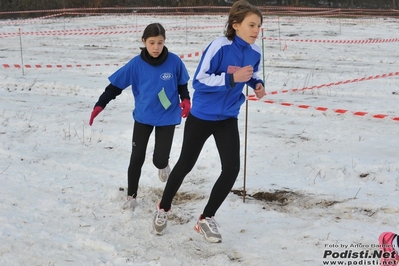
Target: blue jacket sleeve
[{"x": 207, "y": 77}]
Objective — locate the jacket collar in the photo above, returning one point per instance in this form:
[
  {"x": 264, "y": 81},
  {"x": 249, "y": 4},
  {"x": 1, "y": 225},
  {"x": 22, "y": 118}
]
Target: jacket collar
[
  {"x": 152, "y": 60},
  {"x": 240, "y": 41}
]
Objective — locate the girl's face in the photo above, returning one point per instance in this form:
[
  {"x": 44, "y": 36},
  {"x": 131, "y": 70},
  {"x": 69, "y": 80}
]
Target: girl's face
[
  {"x": 248, "y": 29},
  {"x": 154, "y": 45}
]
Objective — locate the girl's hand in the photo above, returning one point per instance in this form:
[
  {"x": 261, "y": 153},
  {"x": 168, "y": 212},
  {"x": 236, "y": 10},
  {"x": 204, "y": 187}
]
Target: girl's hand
[
  {"x": 243, "y": 74},
  {"x": 259, "y": 90},
  {"x": 94, "y": 113}
]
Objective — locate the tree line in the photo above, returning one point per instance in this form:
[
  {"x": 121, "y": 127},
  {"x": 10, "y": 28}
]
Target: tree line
[{"x": 25, "y": 5}]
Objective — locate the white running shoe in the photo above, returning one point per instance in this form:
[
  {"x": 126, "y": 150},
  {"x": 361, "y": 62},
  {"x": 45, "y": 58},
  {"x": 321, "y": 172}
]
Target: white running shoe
[
  {"x": 209, "y": 228},
  {"x": 163, "y": 174},
  {"x": 160, "y": 221},
  {"x": 130, "y": 204}
]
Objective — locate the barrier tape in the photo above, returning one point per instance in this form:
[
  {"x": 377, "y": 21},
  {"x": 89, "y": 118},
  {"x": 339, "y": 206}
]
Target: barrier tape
[
  {"x": 49, "y": 66},
  {"x": 251, "y": 97},
  {"x": 41, "y": 66},
  {"x": 136, "y": 8},
  {"x": 104, "y": 28},
  {"x": 89, "y": 16},
  {"x": 293, "y": 19},
  {"x": 318, "y": 19},
  {"x": 325, "y": 109},
  {"x": 88, "y": 32},
  {"x": 336, "y": 41},
  {"x": 187, "y": 10},
  {"x": 100, "y": 33},
  {"x": 391, "y": 74},
  {"x": 66, "y": 33},
  {"x": 263, "y": 8},
  {"x": 336, "y": 16}
]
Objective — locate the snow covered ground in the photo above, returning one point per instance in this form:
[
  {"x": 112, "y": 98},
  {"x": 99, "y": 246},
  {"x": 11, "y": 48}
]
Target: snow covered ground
[{"x": 318, "y": 176}]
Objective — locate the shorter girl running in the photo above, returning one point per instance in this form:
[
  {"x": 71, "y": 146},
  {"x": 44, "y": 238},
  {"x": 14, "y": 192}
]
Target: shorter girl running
[{"x": 157, "y": 78}]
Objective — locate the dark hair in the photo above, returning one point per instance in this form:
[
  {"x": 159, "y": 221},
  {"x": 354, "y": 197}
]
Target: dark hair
[
  {"x": 237, "y": 14},
  {"x": 153, "y": 30}
]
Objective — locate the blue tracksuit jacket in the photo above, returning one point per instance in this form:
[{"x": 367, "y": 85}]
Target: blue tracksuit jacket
[{"x": 214, "y": 98}]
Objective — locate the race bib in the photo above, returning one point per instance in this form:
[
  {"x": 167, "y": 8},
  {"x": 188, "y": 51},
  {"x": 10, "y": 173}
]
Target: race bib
[{"x": 163, "y": 98}]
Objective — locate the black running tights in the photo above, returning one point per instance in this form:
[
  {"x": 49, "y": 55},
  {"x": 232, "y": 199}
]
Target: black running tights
[
  {"x": 196, "y": 132},
  {"x": 162, "y": 147}
]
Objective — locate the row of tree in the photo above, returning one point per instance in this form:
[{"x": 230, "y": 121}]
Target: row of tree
[{"x": 24, "y": 5}]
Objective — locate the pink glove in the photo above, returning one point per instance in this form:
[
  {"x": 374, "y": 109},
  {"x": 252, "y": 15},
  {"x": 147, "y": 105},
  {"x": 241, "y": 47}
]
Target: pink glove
[
  {"x": 186, "y": 106},
  {"x": 94, "y": 113}
]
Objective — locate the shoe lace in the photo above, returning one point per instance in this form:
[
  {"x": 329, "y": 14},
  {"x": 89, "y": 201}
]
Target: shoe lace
[
  {"x": 162, "y": 216},
  {"x": 212, "y": 224}
]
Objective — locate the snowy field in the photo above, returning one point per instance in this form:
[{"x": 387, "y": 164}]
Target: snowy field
[{"x": 322, "y": 169}]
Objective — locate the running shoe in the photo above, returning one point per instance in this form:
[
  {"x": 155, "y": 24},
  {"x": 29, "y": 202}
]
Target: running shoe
[
  {"x": 163, "y": 174},
  {"x": 160, "y": 221},
  {"x": 209, "y": 228},
  {"x": 130, "y": 204}
]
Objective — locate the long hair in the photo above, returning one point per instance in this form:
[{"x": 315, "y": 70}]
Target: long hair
[{"x": 237, "y": 14}]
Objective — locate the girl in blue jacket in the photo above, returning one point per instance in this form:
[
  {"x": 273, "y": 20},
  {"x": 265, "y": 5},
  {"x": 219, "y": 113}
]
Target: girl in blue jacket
[
  {"x": 226, "y": 66},
  {"x": 157, "y": 78}
]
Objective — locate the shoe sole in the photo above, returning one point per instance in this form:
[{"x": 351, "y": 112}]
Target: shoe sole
[
  {"x": 159, "y": 233},
  {"x": 198, "y": 229}
]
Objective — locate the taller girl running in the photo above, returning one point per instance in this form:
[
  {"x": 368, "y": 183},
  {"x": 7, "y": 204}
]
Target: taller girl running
[{"x": 227, "y": 64}]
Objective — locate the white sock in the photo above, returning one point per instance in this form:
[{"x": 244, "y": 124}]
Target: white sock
[{"x": 395, "y": 244}]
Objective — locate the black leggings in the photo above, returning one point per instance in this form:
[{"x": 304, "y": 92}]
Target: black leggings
[
  {"x": 163, "y": 144},
  {"x": 196, "y": 132}
]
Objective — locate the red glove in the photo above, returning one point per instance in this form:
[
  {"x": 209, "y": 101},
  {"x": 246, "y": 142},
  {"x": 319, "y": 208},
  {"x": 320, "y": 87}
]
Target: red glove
[
  {"x": 94, "y": 113},
  {"x": 186, "y": 106}
]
